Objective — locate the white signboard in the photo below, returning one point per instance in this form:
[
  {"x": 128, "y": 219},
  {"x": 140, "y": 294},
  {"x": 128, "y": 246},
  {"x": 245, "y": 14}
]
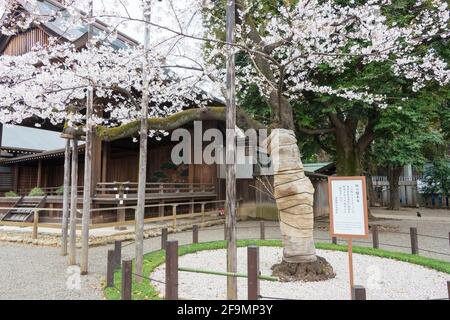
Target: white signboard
[{"x": 348, "y": 207}]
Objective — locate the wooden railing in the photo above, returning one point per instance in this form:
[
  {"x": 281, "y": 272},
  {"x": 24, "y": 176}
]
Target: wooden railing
[
  {"x": 206, "y": 209},
  {"x": 125, "y": 188},
  {"x": 50, "y": 191}
]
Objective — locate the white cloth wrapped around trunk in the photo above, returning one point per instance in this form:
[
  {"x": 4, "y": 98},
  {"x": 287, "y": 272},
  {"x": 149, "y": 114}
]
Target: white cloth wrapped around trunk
[{"x": 294, "y": 195}]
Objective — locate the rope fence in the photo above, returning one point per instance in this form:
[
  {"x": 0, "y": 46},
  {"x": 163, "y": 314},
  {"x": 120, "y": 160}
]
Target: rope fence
[{"x": 253, "y": 275}]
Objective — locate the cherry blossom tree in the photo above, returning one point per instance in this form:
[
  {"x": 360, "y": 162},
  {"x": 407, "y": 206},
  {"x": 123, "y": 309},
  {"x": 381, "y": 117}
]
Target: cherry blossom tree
[{"x": 285, "y": 50}]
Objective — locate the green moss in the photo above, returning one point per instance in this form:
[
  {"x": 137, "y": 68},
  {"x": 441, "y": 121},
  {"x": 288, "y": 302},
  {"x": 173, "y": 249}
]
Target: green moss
[
  {"x": 170, "y": 123},
  {"x": 146, "y": 291}
]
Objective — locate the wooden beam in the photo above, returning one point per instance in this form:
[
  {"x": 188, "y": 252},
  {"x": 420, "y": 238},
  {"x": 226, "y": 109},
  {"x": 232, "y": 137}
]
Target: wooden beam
[{"x": 105, "y": 157}]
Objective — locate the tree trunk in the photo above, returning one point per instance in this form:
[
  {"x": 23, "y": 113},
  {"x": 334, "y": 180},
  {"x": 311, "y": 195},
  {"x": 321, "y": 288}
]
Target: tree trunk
[
  {"x": 143, "y": 146},
  {"x": 231, "y": 154},
  {"x": 394, "y": 194},
  {"x": 294, "y": 195},
  {"x": 66, "y": 195},
  {"x": 348, "y": 158},
  {"x": 87, "y": 171},
  {"x": 73, "y": 205}
]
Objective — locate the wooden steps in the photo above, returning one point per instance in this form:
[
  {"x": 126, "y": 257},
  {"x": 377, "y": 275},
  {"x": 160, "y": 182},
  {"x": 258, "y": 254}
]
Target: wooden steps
[{"x": 23, "y": 211}]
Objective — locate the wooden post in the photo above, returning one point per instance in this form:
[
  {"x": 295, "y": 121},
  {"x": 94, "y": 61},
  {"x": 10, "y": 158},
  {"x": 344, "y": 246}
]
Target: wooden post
[
  {"x": 334, "y": 240},
  {"x": 1, "y": 138},
  {"x": 110, "y": 267},
  {"x": 35, "y": 223},
  {"x": 375, "y": 240},
  {"x": 358, "y": 293},
  {"x": 86, "y": 216},
  {"x": 203, "y": 215},
  {"x": 73, "y": 204},
  {"x": 225, "y": 236},
  {"x": 449, "y": 238},
  {"x": 161, "y": 208},
  {"x": 195, "y": 233},
  {"x": 174, "y": 217},
  {"x": 120, "y": 211},
  {"x": 143, "y": 146},
  {"x": 414, "y": 241},
  {"x": 126, "y": 280},
  {"x": 163, "y": 238},
  {"x": 262, "y": 231},
  {"x": 448, "y": 289},
  {"x": 231, "y": 152},
  {"x": 117, "y": 253},
  {"x": 350, "y": 264},
  {"x": 66, "y": 195},
  {"x": 253, "y": 272},
  {"x": 172, "y": 270}
]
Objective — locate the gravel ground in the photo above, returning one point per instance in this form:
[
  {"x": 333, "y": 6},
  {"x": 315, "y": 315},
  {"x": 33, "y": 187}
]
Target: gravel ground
[
  {"x": 383, "y": 278},
  {"x": 34, "y": 272}
]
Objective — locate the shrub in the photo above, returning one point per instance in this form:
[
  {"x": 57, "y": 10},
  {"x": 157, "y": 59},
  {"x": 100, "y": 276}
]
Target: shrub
[
  {"x": 11, "y": 194},
  {"x": 36, "y": 192}
]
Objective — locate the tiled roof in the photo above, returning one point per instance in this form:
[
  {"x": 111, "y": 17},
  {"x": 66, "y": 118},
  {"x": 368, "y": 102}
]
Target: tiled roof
[{"x": 24, "y": 138}]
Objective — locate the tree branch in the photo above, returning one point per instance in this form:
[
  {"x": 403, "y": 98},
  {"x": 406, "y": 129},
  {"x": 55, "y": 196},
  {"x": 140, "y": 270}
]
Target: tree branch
[
  {"x": 244, "y": 121},
  {"x": 316, "y": 131}
]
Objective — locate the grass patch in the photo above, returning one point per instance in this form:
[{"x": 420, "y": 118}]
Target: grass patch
[{"x": 146, "y": 291}]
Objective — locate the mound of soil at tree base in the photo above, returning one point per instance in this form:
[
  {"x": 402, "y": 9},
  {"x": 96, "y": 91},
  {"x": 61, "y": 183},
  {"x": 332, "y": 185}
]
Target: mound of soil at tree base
[{"x": 319, "y": 270}]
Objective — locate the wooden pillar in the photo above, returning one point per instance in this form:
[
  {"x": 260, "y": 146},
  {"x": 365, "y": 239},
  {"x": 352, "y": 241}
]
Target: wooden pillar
[
  {"x": 39, "y": 174},
  {"x": 66, "y": 195},
  {"x": 15, "y": 184},
  {"x": 73, "y": 204},
  {"x": 105, "y": 156},
  {"x": 97, "y": 163}
]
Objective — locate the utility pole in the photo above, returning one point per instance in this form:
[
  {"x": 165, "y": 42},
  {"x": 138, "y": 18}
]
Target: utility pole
[
  {"x": 231, "y": 152},
  {"x": 87, "y": 162},
  {"x": 140, "y": 210}
]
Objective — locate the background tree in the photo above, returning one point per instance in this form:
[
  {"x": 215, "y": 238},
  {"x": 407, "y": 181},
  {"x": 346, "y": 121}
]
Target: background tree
[{"x": 405, "y": 137}]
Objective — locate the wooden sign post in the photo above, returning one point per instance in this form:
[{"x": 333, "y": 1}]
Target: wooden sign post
[{"x": 348, "y": 212}]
